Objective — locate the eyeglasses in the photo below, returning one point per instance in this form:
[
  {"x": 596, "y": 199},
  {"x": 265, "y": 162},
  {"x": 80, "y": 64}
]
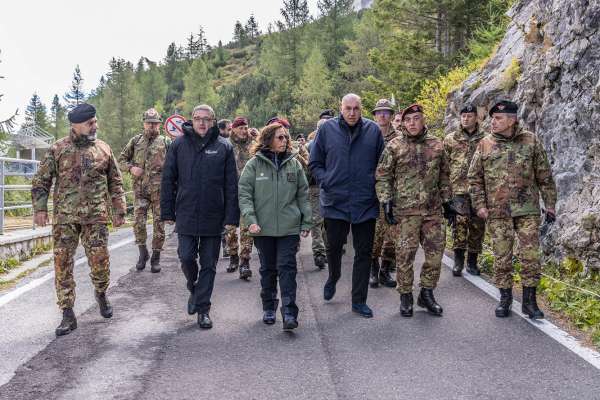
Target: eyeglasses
[
  {"x": 203, "y": 120},
  {"x": 281, "y": 138}
]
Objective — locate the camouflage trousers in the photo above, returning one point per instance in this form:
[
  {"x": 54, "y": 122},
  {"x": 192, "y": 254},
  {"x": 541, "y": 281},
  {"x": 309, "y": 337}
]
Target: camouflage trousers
[
  {"x": 412, "y": 230},
  {"x": 245, "y": 243},
  {"x": 94, "y": 238},
  {"x": 144, "y": 202},
  {"x": 383, "y": 242},
  {"x": 468, "y": 233},
  {"x": 503, "y": 232},
  {"x": 317, "y": 232}
]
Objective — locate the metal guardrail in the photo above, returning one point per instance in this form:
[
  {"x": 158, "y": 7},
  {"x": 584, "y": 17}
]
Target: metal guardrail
[{"x": 15, "y": 167}]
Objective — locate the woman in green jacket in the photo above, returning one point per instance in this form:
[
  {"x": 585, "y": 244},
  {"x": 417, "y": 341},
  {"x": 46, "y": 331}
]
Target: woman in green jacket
[{"x": 273, "y": 197}]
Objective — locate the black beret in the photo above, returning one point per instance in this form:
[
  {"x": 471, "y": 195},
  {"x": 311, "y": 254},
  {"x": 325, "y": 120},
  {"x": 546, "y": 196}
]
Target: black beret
[
  {"x": 82, "y": 113},
  {"x": 505, "y": 107},
  {"x": 468, "y": 108},
  {"x": 326, "y": 114}
]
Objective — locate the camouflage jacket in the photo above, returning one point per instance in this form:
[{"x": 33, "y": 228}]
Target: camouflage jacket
[
  {"x": 85, "y": 174},
  {"x": 302, "y": 154},
  {"x": 508, "y": 174},
  {"x": 391, "y": 135},
  {"x": 241, "y": 150},
  {"x": 460, "y": 147},
  {"x": 148, "y": 154},
  {"x": 413, "y": 172}
]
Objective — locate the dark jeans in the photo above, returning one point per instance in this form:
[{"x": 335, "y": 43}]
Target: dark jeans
[
  {"x": 362, "y": 240},
  {"x": 278, "y": 257},
  {"x": 199, "y": 282}
]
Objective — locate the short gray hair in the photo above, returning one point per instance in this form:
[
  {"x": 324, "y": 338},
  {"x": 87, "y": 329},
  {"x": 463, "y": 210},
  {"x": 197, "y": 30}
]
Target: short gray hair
[
  {"x": 203, "y": 107},
  {"x": 352, "y": 96}
]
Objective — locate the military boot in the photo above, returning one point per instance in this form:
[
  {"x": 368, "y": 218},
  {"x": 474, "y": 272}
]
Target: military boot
[
  {"x": 155, "y": 261},
  {"x": 506, "y": 298},
  {"x": 225, "y": 247},
  {"x": 529, "y": 306},
  {"x": 459, "y": 262},
  {"x": 385, "y": 277},
  {"x": 105, "y": 308},
  {"x": 406, "y": 304},
  {"x": 245, "y": 272},
  {"x": 374, "y": 278},
  {"x": 141, "y": 264},
  {"x": 426, "y": 300},
  {"x": 320, "y": 261},
  {"x": 68, "y": 323},
  {"x": 472, "y": 266},
  {"x": 234, "y": 262}
]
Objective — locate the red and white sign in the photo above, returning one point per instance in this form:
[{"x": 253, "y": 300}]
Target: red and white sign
[{"x": 173, "y": 125}]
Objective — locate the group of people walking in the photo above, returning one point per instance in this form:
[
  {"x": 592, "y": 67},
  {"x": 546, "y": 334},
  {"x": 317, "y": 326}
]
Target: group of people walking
[{"x": 388, "y": 181}]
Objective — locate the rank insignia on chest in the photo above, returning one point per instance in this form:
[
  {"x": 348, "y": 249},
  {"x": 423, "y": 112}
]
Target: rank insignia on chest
[{"x": 291, "y": 177}]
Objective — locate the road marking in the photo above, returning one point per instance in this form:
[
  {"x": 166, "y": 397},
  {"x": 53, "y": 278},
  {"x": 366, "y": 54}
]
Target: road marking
[
  {"x": 562, "y": 337},
  {"x": 39, "y": 281}
]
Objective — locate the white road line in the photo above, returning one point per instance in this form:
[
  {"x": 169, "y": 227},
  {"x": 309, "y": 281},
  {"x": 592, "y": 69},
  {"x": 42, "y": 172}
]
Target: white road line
[
  {"x": 562, "y": 337},
  {"x": 10, "y": 296}
]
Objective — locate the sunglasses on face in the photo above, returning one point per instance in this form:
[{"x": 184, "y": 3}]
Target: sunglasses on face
[{"x": 281, "y": 138}]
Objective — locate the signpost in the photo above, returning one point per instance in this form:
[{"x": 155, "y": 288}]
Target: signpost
[{"x": 173, "y": 126}]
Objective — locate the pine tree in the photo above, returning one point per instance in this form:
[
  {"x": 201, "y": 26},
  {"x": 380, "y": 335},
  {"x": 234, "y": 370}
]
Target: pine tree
[
  {"x": 192, "y": 50},
  {"x": 75, "y": 95},
  {"x": 239, "y": 34},
  {"x": 252, "y": 28},
  {"x": 337, "y": 27},
  {"x": 203, "y": 46},
  {"x": 198, "y": 86},
  {"x": 36, "y": 114},
  {"x": 153, "y": 88},
  {"x": 58, "y": 122},
  {"x": 295, "y": 15},
  {"x": 174, "y": 71}
]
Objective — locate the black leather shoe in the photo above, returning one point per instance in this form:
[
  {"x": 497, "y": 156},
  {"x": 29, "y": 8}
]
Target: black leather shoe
[
  {"x": 472, "y": 266},
  {"x": 426, "y": 300},
  {"x": 105, "y": 308},
  {"x": 234, "y": 262},
  {"x": 289, "y": 322},
  {"x": 245, "y": 272},
  {"x": 506, "y": 299},
  {"x": 269, "y": 317},
  {"x": 143, "y": 257},
  {"x": 406, "y": 304},
  {"x": 329, "y": 290},
  {"x": 529, "y": 305},
  {"x": 363, "y": 310},
  {"x": 459, "y": 262},
  {"x": 68, "y": 323},
  {"x": 374, "y": 277},
  {"x": 320, "y": 262},
  {"x": 191, "y": 306},
  {"x": 155, "y": 261},
  {"x": 385, "y": 277},
  {"x": 204, "y": 321}
]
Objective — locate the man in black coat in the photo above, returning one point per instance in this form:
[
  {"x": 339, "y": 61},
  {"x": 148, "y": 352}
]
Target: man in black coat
[{"x": 199, "y": 194}]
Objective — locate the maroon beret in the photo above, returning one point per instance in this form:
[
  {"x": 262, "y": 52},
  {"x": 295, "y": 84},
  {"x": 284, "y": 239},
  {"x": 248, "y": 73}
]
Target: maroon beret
[
  {"x": 415, "y": 108},
  {"x": 239, "y": 121}
]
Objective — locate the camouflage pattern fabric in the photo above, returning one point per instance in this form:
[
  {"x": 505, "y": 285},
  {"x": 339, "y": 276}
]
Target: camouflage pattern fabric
[
  {"x": 245, "y": 243},
  {"x": 468, "y": 233},
  {"x": 460, "y": 147},
  {"x": 144, "y": 202},
  {"x": 503, "y": 232},
  {"x": 241, "y": 149},
  {"x": 94, "y": 238},
  {"x": 317, "y": 231}
]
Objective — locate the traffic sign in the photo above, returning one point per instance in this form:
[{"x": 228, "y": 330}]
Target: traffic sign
[{"x": 173, "y": 125}]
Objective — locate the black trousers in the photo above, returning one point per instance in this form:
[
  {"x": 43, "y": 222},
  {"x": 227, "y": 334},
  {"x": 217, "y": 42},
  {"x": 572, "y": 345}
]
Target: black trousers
[
  {"x": 278, "y": 258},
  {"x": 362, "y": 240},
  {"x": 199, "y": 282}
]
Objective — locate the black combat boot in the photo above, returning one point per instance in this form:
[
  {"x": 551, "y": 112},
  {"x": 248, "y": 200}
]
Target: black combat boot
[
  {"x": 374, "y": 278},
  {"x": 406, "y": 304},
  {"x": 245, "y": 272},
  {"x": 155, "y": 261},
  {"x": 472, "y": 266},
  {"x": 68, "y": 323},
  {"x": 529, "y": 306},
  {"x": 320, "y": 261},
  {"x": 105, "y": 308},
  {"x": 204, "y": 321},
  {"x": 426, "y": 300},
  {"x": 141, "y": 264},
  {"x": 225, "y": 247},
  {"x": 506, "y": 299},
  {"x": 459, "y": 262},
  {"x": 234, "y": 263},
  {"x": 385, "y": 278}
]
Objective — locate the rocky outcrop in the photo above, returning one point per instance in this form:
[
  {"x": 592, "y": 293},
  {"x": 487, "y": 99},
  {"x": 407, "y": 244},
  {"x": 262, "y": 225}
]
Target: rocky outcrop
[{"x": 549, "y": 63}]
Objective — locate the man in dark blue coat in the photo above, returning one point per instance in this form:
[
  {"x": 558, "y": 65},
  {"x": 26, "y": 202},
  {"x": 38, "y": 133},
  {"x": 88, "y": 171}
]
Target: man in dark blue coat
[
  {"x": 343, "y": 160},
  {"x": 199, "y": 194}
]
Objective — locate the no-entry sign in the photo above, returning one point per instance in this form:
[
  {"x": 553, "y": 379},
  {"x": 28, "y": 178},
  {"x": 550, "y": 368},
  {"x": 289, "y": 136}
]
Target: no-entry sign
[{"x": 173, "y": 125}]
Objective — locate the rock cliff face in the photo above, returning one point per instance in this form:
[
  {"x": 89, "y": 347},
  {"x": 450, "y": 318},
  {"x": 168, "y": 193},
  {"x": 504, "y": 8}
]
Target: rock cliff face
[{"x": 549, "y": 63}]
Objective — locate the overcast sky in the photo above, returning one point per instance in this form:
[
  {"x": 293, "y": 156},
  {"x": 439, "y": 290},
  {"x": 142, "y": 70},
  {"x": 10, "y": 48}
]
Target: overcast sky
[{"x": 41, "y": 41}]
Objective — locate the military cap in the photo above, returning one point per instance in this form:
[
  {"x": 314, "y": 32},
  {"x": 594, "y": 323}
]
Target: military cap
[
  {"x": 383, "y": 105},
  {"x": 239, "y": 121},
  {"x": 81, "y": 113},
  {"x": 151, "y": 115},
  {"x": 415, "y": 108},
  {"x": 468, "y": 108},
  {"x": 504, "y": 107},
  {"x": 327, "y": 114}
]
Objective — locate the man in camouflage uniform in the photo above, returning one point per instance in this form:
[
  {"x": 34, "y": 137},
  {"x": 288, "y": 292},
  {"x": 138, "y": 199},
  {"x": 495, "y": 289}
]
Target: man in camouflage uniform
[
  {"x": 413, "y": 186},
  {"x": 383, "y": 243},
  {"x": 85, "y": 175},
  {"x": 144, "y": 157},
  {"x": 509, "y": 172},
  {"x": 241, "y": 142},
  {"x": 468, "y": 229}
]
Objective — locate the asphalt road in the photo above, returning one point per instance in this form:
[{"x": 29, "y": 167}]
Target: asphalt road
[{"x": 151, "y": 349}]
